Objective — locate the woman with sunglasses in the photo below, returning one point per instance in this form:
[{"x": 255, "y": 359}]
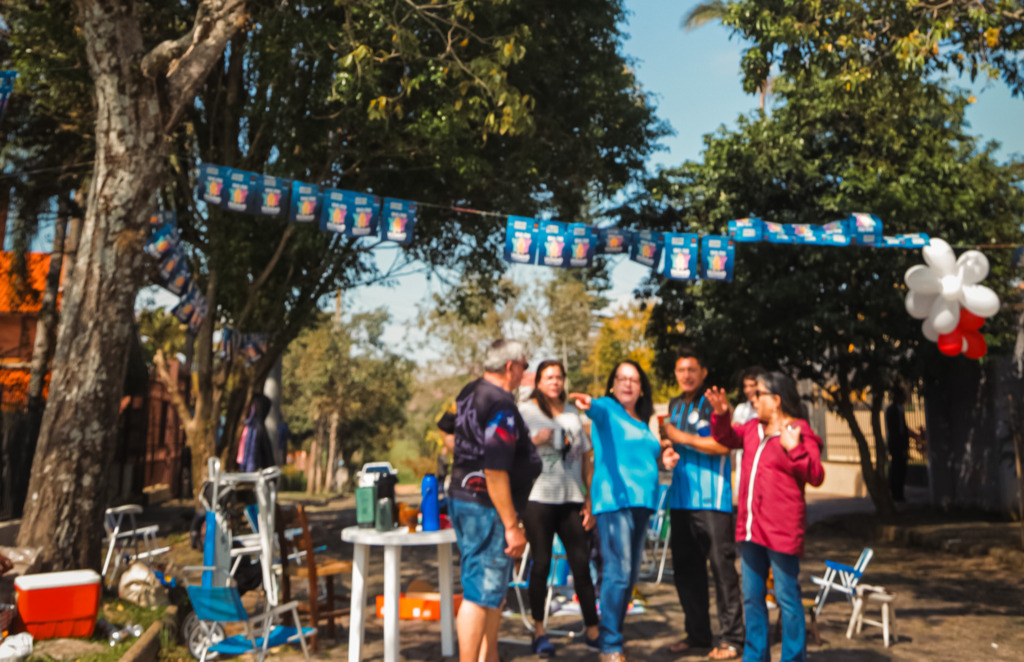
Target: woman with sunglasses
[
  {"x": 559, "y": 501},
  {"x": 627, "y": 457},
  {"x": 781, "y": 455}
]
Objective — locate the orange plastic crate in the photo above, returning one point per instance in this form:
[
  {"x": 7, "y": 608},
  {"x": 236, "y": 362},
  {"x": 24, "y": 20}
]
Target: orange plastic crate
[
  {"x": 58, "y": 604},
  {"x": 419, "y": 606}
]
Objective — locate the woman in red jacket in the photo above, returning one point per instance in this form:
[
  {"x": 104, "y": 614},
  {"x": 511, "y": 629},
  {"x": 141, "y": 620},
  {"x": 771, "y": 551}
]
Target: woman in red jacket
[{"x": 781, "y": 454}]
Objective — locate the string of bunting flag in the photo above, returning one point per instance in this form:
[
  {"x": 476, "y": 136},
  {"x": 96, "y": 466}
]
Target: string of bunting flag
[
  {"x": 687, "y": 255},
  {"x": 6, "y": 88}
]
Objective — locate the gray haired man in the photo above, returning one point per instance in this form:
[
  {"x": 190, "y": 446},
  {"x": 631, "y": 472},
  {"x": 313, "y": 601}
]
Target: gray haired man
[{"x": 494, "y": 467}]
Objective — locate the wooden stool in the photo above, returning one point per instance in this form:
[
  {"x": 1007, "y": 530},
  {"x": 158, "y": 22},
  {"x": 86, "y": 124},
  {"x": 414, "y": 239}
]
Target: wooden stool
[{"x": 865, "y": 595}]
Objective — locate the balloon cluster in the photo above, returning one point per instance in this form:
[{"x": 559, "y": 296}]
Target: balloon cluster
[{"x": 946, "y": 294}]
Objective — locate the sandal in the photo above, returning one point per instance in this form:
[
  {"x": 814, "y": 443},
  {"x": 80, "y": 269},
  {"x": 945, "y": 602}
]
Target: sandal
[
  {"x": 542, "y": 646},
  {"x": 724, "y": 652},
  {"x": 682, "y": 646}
]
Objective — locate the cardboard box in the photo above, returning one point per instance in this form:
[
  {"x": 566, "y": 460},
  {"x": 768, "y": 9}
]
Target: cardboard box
[
  {"x": 419, "y": 606},
  {"x": 58, "y": 604}
]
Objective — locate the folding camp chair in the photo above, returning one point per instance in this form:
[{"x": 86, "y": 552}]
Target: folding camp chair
[
  {"x": 841, "y": 578},
  {"x": 521, "y": 583},
  {"x": 124, "y": 534},
  {"x": 656, "y": 544},
  {"x": 223, "y": 604}
]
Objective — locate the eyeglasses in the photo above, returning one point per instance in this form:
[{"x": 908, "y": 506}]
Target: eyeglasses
[
  {"x": 524, "y": 363},
  {"x": 627, "y": 380},
  {"x": 758, "y": 393}
]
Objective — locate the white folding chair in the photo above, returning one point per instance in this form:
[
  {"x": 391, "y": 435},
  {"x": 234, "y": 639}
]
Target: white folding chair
[
  {"x": 521, "y": 583},
  {"x": 840, "y": 578},
  {"x": 123, "y": 533},
  {"x": 659, "y": 533}
]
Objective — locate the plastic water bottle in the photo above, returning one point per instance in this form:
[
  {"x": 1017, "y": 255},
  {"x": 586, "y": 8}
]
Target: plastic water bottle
[{"x": 430, "y": 508}]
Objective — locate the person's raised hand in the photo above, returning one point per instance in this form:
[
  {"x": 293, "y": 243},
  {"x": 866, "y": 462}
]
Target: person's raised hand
[
  {"x": 789, "y": 437},
  {"x": 718, "y": 399},
  {"x": 582, "y": 400}
]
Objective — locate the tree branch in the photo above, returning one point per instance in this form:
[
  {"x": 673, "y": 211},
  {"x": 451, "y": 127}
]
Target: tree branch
[{"x": 185, "y": 62}]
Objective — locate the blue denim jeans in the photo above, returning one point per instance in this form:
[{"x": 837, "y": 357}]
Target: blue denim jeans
[
  {"x": 622, "y": 543},
  {"x": 755, "y": 561}
]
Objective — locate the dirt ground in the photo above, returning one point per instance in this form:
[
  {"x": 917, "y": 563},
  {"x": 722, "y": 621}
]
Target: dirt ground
[{"x": 967, "y": 605}]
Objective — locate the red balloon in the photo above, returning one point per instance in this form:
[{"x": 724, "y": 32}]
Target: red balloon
[
  {"x": 951, "y": 343},
  {"x": 969, "y": 321},
  {"x": 976, "y": 345}
]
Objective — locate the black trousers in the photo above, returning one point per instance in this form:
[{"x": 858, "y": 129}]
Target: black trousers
[
  {"x": 697, "y": 537},
  {"x": 897, "y": 475},
  {"x": 542, "y": 522}
]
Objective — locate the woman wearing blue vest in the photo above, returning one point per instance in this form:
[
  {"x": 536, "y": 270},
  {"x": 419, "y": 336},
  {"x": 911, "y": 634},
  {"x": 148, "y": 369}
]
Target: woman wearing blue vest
[{"x": 624, "y": 488}]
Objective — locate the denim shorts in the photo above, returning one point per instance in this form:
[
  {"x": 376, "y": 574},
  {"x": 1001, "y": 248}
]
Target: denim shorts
[{"x": 486, "y": 569}]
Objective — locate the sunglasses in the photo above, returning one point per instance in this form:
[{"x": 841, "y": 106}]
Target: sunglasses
[{"x": 758, "y": 393}]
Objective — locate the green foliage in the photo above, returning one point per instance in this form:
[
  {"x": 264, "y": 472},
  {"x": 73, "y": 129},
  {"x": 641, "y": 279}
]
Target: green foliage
[
  {"x": 343, "y": 368},
  {"x": 159, "y": 330},
  {"x": 897, "y": 148},
  {"x": 853, "y": 41}
]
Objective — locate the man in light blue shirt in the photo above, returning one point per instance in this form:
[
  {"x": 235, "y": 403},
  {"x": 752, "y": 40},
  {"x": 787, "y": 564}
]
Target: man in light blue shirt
[{"x": 702, "y": 521}]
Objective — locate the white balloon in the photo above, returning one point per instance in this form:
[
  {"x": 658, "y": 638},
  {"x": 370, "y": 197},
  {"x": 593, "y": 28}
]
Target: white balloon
[
  {"x": 973, "y": 267},
  {"x": 919, "y": 305},
  {"x": 928, "y": 329},
  {"x": 939, "y": 256},
  {"x": 980, "y": 300},
  {"x": 951, "y": 286},
  {"x": 944, "y": 315},
  {"x": 921, "y": 279}
]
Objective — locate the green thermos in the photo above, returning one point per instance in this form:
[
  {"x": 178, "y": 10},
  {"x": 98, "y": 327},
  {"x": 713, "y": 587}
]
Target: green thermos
[{"x": 366, "y": 503}]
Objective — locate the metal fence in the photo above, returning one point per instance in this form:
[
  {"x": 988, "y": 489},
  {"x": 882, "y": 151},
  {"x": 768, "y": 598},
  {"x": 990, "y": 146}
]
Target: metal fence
[{"x": 840, "y": 446}]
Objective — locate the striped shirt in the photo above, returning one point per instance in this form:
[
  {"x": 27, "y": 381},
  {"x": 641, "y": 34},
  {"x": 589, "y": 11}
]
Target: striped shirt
[
  {"x": 561, "y": 477},
  {"x": 699, "y": 481}
]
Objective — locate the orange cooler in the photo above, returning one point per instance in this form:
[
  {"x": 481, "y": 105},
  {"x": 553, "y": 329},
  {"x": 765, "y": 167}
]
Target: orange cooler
[{"x": 58, "y": 604}]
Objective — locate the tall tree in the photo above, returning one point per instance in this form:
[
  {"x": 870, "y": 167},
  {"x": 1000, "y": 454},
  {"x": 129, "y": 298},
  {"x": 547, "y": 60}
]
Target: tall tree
[
  {"x": 139, "y": 95},
  {"x": 897, "y": 148}
]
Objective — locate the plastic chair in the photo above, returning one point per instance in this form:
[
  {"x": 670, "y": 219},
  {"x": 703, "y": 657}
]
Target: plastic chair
[
  {"x": 121, "y": 537},
  {"x": 223, "y": 604},
  {"x": 656, "y": 544},
  {"x": 841, "y": 578}
]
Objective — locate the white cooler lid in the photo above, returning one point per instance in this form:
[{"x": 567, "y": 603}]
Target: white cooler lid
[{"x": 56, "y": 579}]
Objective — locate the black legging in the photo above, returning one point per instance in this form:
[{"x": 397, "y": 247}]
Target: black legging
[{"x": 543, "y": 521}]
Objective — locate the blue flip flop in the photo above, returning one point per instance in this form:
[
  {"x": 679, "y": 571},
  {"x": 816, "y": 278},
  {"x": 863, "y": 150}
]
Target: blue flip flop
[{"x": 542, "y": 646}]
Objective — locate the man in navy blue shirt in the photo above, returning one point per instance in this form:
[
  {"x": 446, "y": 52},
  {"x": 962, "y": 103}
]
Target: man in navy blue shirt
[
  {"x": 702, "y": 522},
  {"x": 493, "y": 471}
]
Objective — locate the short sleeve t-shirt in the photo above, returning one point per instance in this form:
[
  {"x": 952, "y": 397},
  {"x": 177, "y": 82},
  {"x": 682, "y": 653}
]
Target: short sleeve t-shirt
[
  {"x": 490, "y": 434},
  {"x": 625, "y": 459},
  {"x": 561, "y": 477},
  {"x": 700, "y": 481}
]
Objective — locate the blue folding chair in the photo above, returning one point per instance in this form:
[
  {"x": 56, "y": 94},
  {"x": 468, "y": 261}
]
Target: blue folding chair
[
  {"x": 841, "y": 578},
  {"x": 214, "y": 605}
]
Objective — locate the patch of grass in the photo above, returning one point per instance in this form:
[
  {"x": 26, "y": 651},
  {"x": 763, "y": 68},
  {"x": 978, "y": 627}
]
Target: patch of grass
[{"x": 118, "y": 613}]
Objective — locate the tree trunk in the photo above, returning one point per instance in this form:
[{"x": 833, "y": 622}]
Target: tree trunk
[
  {"x": 332, "y": 453},
  {"x": 876, "y": 485},
  {"x": 46, "y": 327},
  {"x": 881, "y": 447},
  {"x": 314, "y": 448},
  {"x": 65, "y": 501}
]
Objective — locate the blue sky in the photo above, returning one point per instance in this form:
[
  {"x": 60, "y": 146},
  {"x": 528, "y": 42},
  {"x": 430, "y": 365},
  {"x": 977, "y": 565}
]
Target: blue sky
[{"x": 694, "y": 79}]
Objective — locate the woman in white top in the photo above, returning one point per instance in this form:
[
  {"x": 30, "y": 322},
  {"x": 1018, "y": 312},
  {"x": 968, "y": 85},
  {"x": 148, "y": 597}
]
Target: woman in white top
[{"x": 559, "y": 502}]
